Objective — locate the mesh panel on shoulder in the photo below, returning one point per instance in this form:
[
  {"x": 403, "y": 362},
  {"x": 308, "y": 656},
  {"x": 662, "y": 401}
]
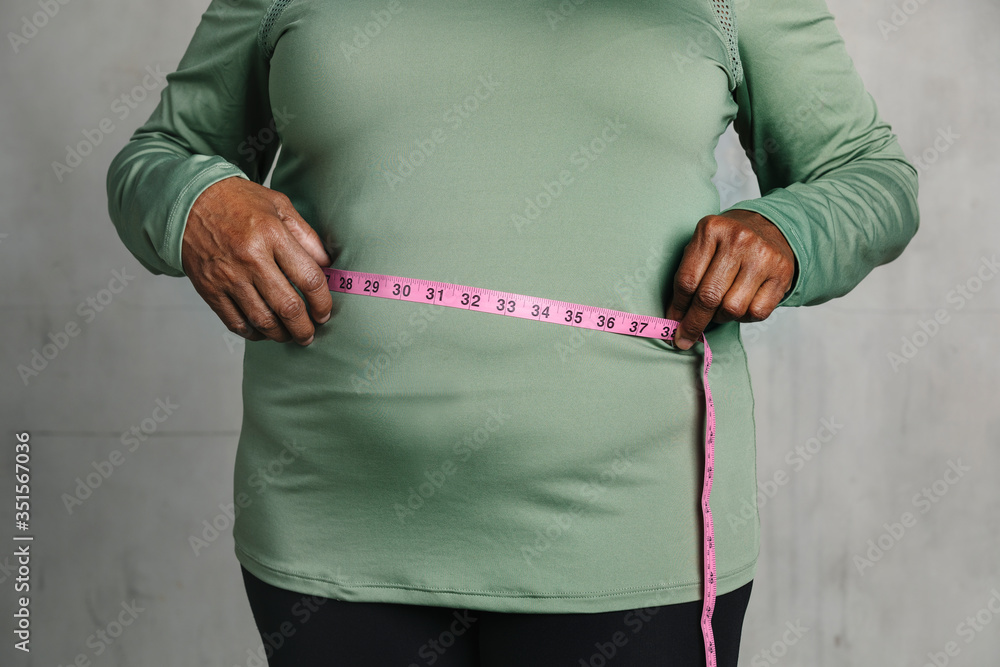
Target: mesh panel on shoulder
[
  {"x": 727, "y": 20},
  {"x": 267, "y": 24}
]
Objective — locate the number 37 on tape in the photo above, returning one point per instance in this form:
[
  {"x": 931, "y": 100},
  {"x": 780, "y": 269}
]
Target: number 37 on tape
[{"x": 500, "y": 303}]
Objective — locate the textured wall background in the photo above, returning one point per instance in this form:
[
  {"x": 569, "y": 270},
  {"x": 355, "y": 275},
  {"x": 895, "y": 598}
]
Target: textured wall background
[{"x": 129, "y": 343}]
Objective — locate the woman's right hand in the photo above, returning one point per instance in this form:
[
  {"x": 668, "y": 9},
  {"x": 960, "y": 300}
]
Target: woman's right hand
[{"x": 244, "y": 247}]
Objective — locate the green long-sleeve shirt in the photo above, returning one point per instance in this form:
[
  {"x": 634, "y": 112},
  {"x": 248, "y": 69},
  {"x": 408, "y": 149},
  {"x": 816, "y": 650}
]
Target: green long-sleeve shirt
[{"x": 563, "y": 150}]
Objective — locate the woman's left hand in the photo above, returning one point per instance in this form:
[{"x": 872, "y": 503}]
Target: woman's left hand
[{"x": 737, "y": 266}]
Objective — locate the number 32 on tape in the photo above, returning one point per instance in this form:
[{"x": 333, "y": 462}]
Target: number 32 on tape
[{"x": 570, "y": 314}]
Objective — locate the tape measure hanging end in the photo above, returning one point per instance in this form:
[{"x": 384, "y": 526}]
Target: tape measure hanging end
[{"x": 569, "y": 314}]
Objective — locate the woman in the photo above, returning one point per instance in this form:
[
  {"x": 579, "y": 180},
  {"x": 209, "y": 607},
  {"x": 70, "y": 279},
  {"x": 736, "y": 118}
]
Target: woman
[{"x": 419, "y": 485}]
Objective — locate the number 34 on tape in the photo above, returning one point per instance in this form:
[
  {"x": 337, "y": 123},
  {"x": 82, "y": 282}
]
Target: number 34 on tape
[
  {"x": 500, "y": 303},
  {"x": 574, "y": 315}
]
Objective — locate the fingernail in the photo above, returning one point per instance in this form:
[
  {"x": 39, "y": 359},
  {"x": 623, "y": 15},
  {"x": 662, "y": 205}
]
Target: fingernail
[
  {"x": 325, "y": 319},
  {"x": 683, "y": 343},
  {"x": 310, "y": 340}
]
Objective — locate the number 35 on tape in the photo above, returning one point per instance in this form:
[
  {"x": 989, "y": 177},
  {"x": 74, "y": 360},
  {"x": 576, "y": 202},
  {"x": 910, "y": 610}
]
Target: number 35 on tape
[{"x": 570, "y": 314}]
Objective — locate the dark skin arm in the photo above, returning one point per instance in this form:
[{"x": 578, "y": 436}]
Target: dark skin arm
[
  {"x": 737, "y": 266},
  {"x": 245, "y": 246}
]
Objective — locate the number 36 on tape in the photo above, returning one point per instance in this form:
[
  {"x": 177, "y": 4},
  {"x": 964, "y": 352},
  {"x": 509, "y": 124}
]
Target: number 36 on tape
[
  {"x": 500, "y": 303},
  {"x": 570, "y": 314}
]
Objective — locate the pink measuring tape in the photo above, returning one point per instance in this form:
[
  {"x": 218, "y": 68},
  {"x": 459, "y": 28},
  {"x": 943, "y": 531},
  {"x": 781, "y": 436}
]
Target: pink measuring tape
[{"x": 570, "y": 314}]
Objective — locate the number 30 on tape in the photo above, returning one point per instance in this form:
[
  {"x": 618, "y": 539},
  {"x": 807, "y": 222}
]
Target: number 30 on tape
[{"x": 570, "y": 314}]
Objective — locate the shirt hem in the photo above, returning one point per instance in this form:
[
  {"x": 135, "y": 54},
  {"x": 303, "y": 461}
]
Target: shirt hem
[{"x": 498, "y": 601}]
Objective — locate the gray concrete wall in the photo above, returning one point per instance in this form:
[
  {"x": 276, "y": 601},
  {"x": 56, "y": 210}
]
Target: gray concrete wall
[{"x": 933, "y": 68}]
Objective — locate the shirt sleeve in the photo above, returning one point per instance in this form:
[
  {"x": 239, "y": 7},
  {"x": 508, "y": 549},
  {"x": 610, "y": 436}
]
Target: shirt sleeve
[
  {"x": 211, "y": 123},
  {"x": 832, "y": 175}
]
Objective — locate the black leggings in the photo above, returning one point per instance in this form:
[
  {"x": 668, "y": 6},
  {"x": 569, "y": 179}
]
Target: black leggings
[{"x": 309, "y": 631}]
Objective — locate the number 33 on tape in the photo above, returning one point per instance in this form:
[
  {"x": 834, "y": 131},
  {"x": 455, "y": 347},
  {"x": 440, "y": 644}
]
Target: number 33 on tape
[{"x": 569, "y": 314}]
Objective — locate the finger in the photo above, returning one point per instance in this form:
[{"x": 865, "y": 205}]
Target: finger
[
  {"x": 255, "y": 306},
  {"x": 708, "y": 296},
  {"x": 764, "y": 302},
  {"x": 695, "y": 261},
  {"x": 230, "y": 314},
  {"x": 303, "y": 233},
  {"x": 305, "y": 274},
  {"x": 253, "y": 334},
  {"x": 286, "y": 304},
  {"x": 741, "y": 293},
  {"x": 233, "y": 317}
]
